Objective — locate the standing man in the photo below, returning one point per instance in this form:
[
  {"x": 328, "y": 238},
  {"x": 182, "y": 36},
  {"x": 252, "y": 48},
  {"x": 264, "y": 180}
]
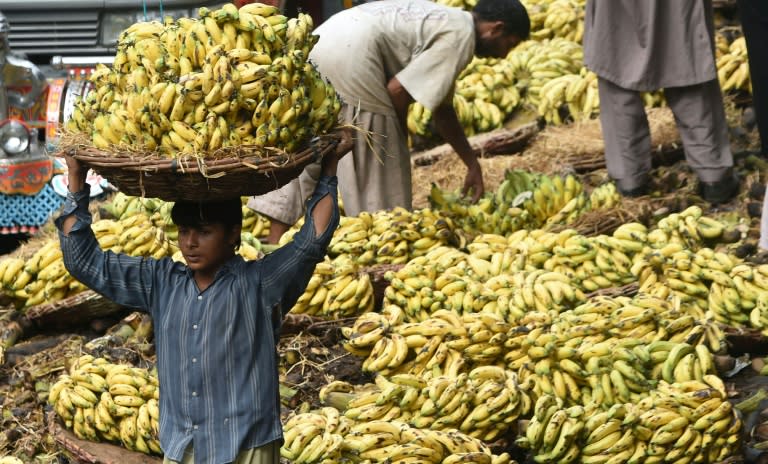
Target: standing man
[
  {"x": 637, "y": 46},
  {"x": 381, "y": 57}
]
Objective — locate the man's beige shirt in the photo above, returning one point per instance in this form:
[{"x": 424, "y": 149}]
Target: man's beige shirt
[{"x": 424, "y": 44}]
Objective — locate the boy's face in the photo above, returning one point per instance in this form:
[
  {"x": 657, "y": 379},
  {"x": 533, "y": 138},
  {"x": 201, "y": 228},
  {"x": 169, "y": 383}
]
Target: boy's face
[{"x": 207, "y": 247}]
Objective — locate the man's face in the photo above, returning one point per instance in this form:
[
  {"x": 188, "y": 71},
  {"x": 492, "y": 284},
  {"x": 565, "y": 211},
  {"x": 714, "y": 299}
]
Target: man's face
[
  {"x": 206, "y": 248},
  {"x": 493, "y": 41}
]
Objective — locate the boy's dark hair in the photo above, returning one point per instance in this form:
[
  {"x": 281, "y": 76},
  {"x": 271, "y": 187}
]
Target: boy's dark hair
[
  {"x": 198, "y": 213},
  {"x": 511, "y": 12}
]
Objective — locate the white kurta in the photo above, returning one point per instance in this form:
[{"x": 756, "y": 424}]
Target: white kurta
[
  {"x": 650, "y": 44},
  {"x": 425, "y": 45}
]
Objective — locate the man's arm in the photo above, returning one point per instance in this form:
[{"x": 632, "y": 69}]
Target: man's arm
[
  {"x": 291, "y": 266},
  {"x": 127, "y": 280},
  {"x": 323, "y": 212},
  {"x": 76, "y": 175},
  {"x": 449, "y": 128},
  {"x": 401, "y": 100}
]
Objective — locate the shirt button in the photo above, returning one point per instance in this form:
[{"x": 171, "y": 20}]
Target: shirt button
[
  {"x": 194, "y": 326},
  {"x": 194, "y": 393},
  {"x": 194, "y": 360},
  {"x": 199, "y": 297},
  {"x": 194, "y": 427},
  {"x": 226, "y": 420}
]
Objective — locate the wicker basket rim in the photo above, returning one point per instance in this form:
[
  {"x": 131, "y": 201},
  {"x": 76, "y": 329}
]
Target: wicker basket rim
[{"x": 153, "y": 162}]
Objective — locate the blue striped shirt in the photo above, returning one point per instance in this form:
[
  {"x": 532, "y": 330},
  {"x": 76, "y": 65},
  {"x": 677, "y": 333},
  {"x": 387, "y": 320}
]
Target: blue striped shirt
[{"x": 216, "y": 349}]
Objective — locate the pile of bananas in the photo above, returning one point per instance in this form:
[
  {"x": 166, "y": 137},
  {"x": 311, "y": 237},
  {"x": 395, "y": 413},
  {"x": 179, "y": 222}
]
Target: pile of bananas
[
  {"x": 386, "y": 237},
  {"x": 733, "y": 67},
  {"x": 678, "y": 422},
  {"x": 326, "y": 436},
  {"x": 445, "y": 344},
  {"x": 192, "y": 86},
  {"x": 605, "y": 369},
  {"x": 523, "y": 200},
  {"x": 483, "y": 403},
  {"x": 39, "y": 279},
  {"x": 101, "y": 401},
  {"x": 484, "y": 97},
  {"x": 533, "y": 63},
  {"x": 336, "y": 290},
  {"x": 576, "y": 92},
  {"x": 556, "y": 18}
]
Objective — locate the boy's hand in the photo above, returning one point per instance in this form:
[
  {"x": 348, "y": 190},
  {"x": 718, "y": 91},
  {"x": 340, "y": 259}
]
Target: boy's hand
[
  {"x": 331, "y": 160},
  {"x": 76, "y": 174}
]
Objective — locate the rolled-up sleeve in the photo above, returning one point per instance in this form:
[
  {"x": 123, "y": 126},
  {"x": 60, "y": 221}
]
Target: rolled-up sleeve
[
  {"x": 123, "y": 279},
  {"x": 286, "y": 271}
]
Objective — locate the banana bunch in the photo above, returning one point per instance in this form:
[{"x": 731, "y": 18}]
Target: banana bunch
[
  {"x": 315, "y": 436},
  {"x": 575, "y": 92},
  {"x": 556, "y": 200},
  {"x": 117, "y": 403},
  {"x": 604, "y": 196},
  {"x": 351, "y": 237},
  {"x": 386, "y": 237},
  {"x": 122, "y": 205},
  {"x": 523, "y": 200},
  {"x": 733, "y": 67},
  {"x": 534, "y": 63},
  {"x": 13, "y": 277},
  {"x": 552, "y": 433},
  {"x": 10, "y": 460},
  {"x": 674, "y": 272},
  {"x": 336, "y": 290},
  {"x": 737, "y": 300},
  {"x": 192, "y": 86},
  {"x": 556, "y": 18},
  {"x": 40, "y": 279},
  {"x": 689, "y": 228},
  {"x": 488, "y": 215},
  {"x": 602, "y": 261},
  {"x": 381, "y": 441},
  {"x": 253, "y": 222},
  {"x": 134, "y": 235},
  {"x": 484, "y": 97},
  {"x": 398, "y": 235}
]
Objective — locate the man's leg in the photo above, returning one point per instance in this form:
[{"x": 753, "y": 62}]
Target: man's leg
[
  {"x": 700, "y": 117},
  {"x": 627, "y": 137}
]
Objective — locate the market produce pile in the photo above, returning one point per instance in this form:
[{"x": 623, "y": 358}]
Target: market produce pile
[
  {"x": 229, "y": 78},
  {"x": 483, "y": 332}
]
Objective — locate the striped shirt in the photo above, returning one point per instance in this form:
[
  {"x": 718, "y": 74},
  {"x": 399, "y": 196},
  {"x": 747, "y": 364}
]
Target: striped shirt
[{"x": 216, "y": 349}]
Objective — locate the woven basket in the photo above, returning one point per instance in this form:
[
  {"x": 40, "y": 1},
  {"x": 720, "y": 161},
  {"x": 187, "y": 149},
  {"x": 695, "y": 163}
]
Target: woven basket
[{"x": 242, "y": 171}]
